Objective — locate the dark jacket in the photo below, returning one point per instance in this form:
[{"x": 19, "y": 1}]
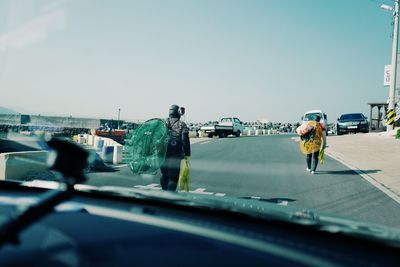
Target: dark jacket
[{"x": 179, "y": 145}]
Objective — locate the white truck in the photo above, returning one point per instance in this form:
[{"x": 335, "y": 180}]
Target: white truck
[
  {"x": 225, "y": 127},
  {"x": 309, "y": 115}
]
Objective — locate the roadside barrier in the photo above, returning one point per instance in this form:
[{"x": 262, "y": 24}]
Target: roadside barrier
[
  {"x": 192, "y": 134},
  {"x": 201, "y": 134},
  {"x": 390, "y": 117},
  {"x": 117, "y": 157},
  {"x": 17, "y": 165},
  {"x": 250, "y": 132},
  {"x": 109, "y": 150},
  {"x": 108, "y": 154},
  {"x": 90, "y": 140}
]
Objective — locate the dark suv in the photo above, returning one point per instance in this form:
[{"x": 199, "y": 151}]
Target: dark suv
[{"x": 353, "y": 122}]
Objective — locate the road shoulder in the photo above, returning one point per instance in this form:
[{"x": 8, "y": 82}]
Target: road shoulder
[{"x": 373, "y": 156}]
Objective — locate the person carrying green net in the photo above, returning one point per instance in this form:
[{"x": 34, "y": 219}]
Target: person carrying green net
[{"x": 178, "y": 148}]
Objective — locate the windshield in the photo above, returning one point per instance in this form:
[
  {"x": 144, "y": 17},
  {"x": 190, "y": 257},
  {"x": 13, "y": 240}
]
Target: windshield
[
  {"x": 95, "y": 73},
  {"x": 352, "y": 117},
  {"x": 311, "y": 116}
]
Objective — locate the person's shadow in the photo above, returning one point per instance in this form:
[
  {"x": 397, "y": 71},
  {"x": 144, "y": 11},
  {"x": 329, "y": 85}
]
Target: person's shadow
[{"x": 347, "y": 172}]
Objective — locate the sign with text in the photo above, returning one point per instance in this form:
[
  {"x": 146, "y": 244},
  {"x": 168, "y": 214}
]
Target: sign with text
[{"x": 386, "y": 75}]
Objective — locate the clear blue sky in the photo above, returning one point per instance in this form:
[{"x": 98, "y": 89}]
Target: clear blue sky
[{"x": 251, "y": 59}]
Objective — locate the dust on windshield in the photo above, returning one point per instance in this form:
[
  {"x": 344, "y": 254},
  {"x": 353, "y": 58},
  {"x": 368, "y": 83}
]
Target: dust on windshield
[{"x": 143, "y": 85}]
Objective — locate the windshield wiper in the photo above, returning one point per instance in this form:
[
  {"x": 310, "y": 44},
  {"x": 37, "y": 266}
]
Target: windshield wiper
[{"x": 68, "y": 159}]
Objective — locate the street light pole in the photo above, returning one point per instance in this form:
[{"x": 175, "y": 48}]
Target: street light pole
[
  {"x": 392, "y": 88},
  {"x": 119, "y": 113}
]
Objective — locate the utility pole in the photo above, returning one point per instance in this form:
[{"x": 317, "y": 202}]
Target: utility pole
[
  {"x": 392, "y": 88},
  {"x": 119, "y": 113}
]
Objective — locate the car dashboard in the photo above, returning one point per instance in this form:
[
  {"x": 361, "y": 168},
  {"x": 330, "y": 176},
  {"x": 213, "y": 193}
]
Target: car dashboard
[{"x": 101, "y": 230}]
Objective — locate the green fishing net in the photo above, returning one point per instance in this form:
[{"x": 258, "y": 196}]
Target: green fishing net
[{"x": 146, "y": 147}]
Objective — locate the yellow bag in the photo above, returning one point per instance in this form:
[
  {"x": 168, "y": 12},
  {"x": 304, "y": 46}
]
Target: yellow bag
[
  {"x": 321, "y": 156},
  {"x": 184, "y": 175}
]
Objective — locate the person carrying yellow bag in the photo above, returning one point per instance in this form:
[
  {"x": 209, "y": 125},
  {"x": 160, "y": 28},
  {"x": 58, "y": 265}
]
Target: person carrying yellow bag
[
  {"x": 313, "y": 142},
  {"x": 184, "y": 175},
  {"x": 178, "y": 149}
]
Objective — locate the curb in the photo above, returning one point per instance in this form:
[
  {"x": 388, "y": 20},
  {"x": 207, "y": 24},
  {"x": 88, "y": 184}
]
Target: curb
[{"x": 366, "y": 177}]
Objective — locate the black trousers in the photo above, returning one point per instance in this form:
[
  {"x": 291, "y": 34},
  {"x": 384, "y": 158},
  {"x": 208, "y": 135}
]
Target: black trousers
[
  {"x": 312, "y": 158},
  {"x": 170, "y": 173}
]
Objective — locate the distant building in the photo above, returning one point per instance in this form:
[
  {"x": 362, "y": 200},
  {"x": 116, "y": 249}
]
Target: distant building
[{"x": 263, "y": 121}]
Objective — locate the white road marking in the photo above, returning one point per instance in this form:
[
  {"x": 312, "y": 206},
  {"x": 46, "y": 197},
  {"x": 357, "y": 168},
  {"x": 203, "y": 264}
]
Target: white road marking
[
  {"x": 296, "y": 139},
  {"x": 149, "y": 186},
  {"x": 198, "y": 140},
  {"x": 280, "y": 202},
  {"x": 283, "y": 203},
  {"x": 205, "y": 142},
  {"x": 196, "y": 191},
  {"x": 201, "y": 191}
]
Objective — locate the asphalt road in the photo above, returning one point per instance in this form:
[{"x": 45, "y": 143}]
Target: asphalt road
[{"x": 272, "y": 168}]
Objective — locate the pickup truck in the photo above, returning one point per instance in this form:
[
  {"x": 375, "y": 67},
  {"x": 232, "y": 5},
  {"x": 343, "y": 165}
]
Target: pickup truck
[{"x": 226, "y": 126}]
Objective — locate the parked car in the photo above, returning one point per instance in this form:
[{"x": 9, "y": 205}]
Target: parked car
[
  {"x": 309, "y": 115},
  {"x": 352, "y": 122}
]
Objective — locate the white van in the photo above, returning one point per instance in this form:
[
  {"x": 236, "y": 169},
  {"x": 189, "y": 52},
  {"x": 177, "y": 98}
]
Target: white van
[{"x": 309, "y": 115}]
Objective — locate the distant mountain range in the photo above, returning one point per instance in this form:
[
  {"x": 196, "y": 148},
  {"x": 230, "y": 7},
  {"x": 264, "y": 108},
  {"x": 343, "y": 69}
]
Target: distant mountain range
[{"x": 4, "y": 110}]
